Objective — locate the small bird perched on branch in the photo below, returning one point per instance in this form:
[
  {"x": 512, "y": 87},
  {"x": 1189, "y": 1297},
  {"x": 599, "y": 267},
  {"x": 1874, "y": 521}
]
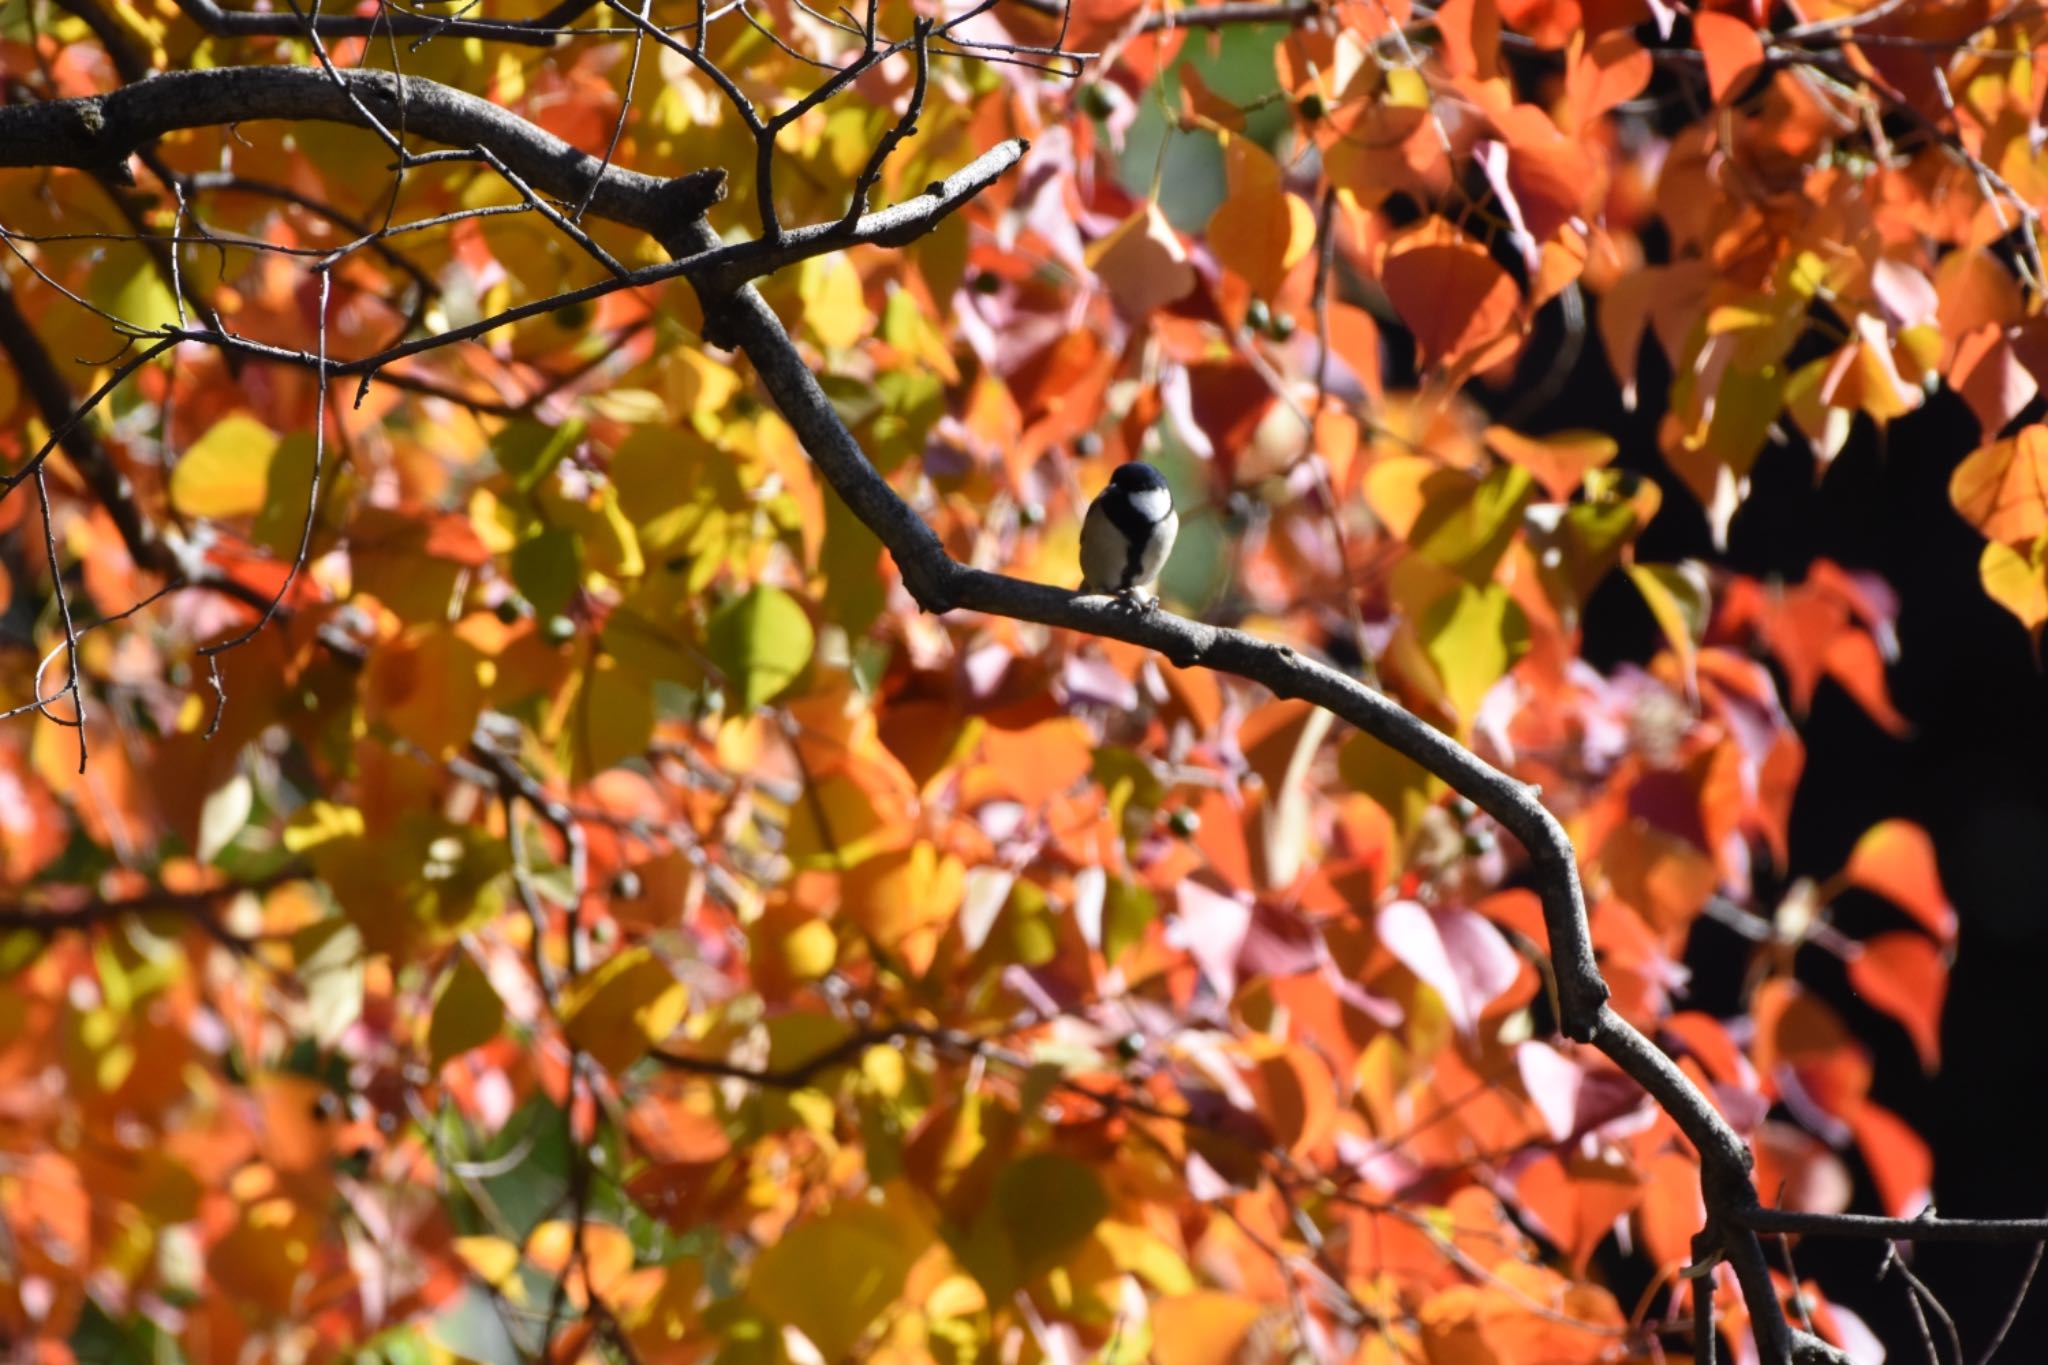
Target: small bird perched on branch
[{"x": 1127, "y": 535}]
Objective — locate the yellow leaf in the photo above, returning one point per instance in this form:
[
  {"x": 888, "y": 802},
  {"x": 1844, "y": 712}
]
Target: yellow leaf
[
  {"x": 831, "y": 1277},
  {"x": 495, "y": 1261},
  {"x": 1472, "y": 636},
  {"x": 227, "y": 471},
  {"x": 611, "y": 718},
  {"x": 321, "y": 822},
  {"x": 834, "y": 309},
  {"x": 2016, "y": 582},
  {"x": 905, "y": 900},
  {"x": 839, "y": 822},
  {"x": 1140, "y": 1251},
  {"x": 620, "y": 1008},
  {"x": 1677, "y": 598},
  {"x": 2002, "y": 488},
  {"x": 126, "y": 284}
]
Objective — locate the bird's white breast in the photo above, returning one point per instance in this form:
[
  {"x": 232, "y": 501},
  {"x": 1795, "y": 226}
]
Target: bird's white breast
[{"x": 1152, "y": 503}]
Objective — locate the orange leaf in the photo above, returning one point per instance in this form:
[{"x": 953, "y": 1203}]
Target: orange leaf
[
  {"x": 1902, "y": 974},
  {"x": 905, "y": 899},
  {"x": 1202, "y": 1329},
  {"x": 1733, "y": 51},
  {"x": 2002, "y": 488},
  {"x": 1559, "y": 461},
  {"x": 1471, "y": 35},
  {"x": 1895, "y": 859},
  {"x": 1613, "y": 70},
  {"x": 1260, "y": 231},
  {"x": 1854, "y": 661},
  {"x": 601, "y": 1253},
  {"x": 1030, "y": 765},
  {"x": 1198, "y": 101},
  {"x": 1298, "y": 1097},
  {"x": 1578, "y": 1205},
  {"x": 1451, "y": 295},
  {"x": 1800, "y": 1038},
  {"x": 1795, "y": 1170},
  {"x": 683, "y": 1128},
  {"x": 1671, "y": 1210}
]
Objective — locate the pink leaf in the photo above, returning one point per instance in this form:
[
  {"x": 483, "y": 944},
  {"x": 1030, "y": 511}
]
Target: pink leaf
[{"x": 1456, "y": 953}]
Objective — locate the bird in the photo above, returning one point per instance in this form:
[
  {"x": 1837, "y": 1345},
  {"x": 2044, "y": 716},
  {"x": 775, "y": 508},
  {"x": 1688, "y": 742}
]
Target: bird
[{"x": 1127, "y": 535}]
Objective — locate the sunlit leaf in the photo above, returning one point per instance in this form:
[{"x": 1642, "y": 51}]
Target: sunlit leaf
[
  {"x": 861, "y": 1252},
  {"x": 225, "y": 472},
  {"x": 761, "y": 640},
  {"x": 622, "y": 1007}
]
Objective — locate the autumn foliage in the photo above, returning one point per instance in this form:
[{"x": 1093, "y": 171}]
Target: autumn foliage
[{"x": 495, "y": 865}]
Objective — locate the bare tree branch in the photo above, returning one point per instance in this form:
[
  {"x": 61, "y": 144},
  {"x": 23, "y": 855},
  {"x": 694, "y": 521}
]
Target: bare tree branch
[
  {"x": 543, "y": 30},
  {"x": 101, "y": 131}
]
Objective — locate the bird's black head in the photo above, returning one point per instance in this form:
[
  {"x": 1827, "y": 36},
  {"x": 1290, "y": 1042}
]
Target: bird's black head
[{"x": 1137, "y": 477}]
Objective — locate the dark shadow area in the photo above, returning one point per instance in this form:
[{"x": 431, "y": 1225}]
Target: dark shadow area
[{"x": 1974, "y": 772}]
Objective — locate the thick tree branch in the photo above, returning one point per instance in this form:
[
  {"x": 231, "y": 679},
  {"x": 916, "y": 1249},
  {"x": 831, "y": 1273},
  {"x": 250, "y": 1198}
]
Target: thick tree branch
[
  {"x": 1228, "y": 15},
  {"x": 1929, "y": 1229},
  {"x": 543, "y": 30},
  {"x": 99, "y": 132}
]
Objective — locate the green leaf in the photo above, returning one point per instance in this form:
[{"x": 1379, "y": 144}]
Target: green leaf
[
  {"x": 1042, "y": 1207},
  {"x": 1471, "y": 535},
  {"x": 546, "y": 568},
  {"x": 281, "y": 520},
  {"x": 855, "y": 589},
  {"x": 467, "y": 1011},
  {"x": 761, "y": 641},
  {"x": 127, "y": 285},
  {"x": 611, "y": 719},
  {"x": 1127, "y": 908},
  {"x": 530, "y": 450},
  {"x": 1472, "y": 636}
]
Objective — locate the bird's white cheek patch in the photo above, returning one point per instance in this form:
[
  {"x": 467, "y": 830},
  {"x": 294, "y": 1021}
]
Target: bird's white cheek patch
[{"x": 1152, "y": 503}]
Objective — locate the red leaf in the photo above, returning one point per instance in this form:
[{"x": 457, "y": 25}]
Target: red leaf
[
  {"x": 1451, "y": 295},
  {"x": 1578, "y": 1205},
  {"x": 1896, "y": 860},
  {"x": 1733, "y": 51},
  {"x": 1902, "y": 974}
]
